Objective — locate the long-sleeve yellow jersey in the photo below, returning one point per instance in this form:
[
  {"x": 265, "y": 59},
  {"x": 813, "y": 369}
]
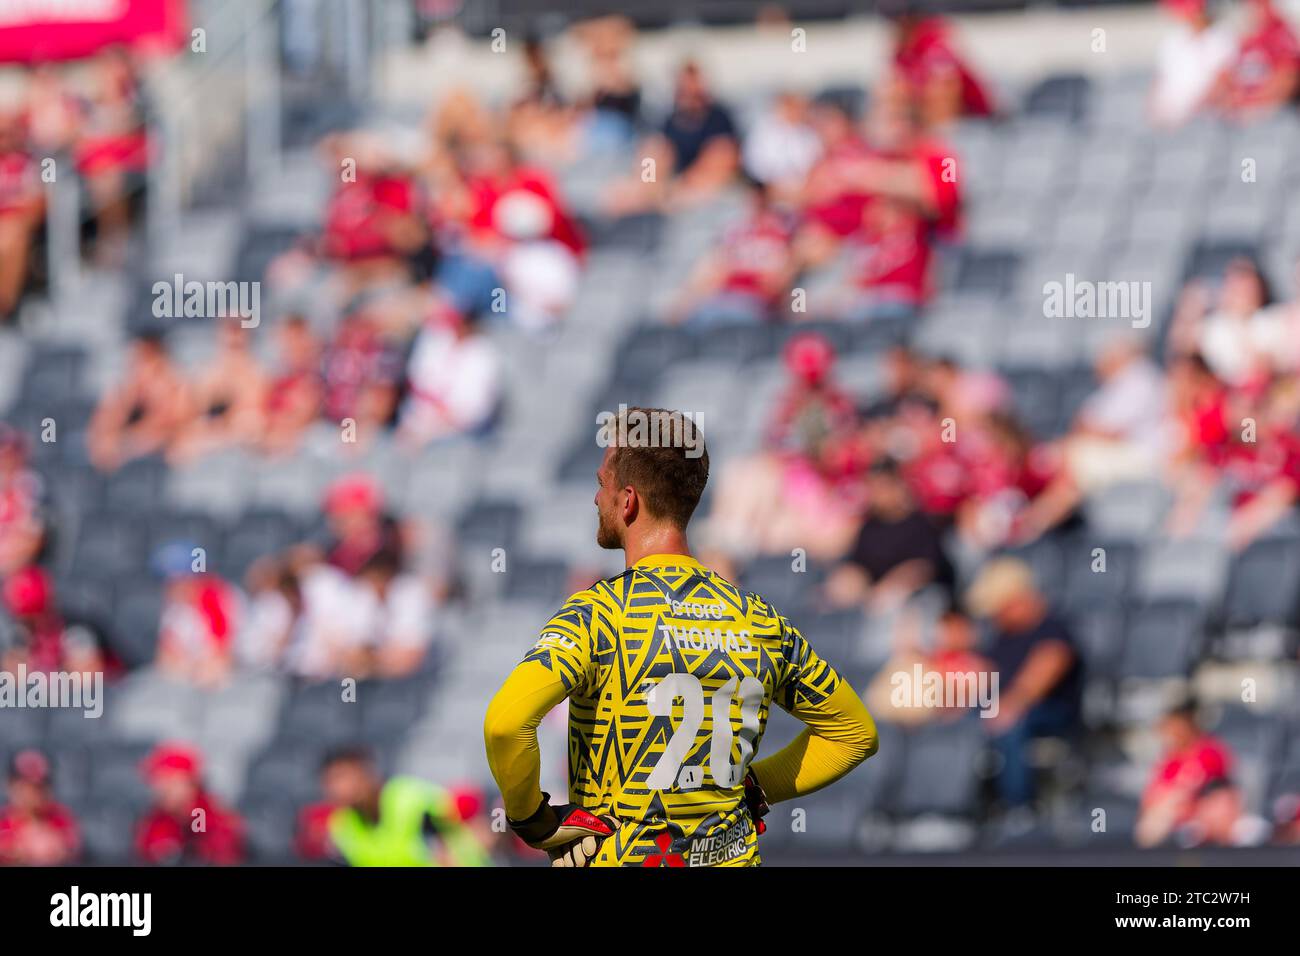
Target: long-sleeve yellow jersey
[{"x": 670, "y": 672}]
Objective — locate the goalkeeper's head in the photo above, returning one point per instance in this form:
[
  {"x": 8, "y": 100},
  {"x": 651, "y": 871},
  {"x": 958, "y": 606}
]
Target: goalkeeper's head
[{"x": 651, "y": 478}]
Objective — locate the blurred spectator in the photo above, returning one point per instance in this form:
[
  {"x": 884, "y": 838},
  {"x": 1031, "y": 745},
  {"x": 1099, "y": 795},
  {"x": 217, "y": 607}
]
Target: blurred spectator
[
  {"x": 952, "y": 650},
  {"x": 800, "y": 490},
  {"x": 913, "y": 200},
  {"x": 142, "y": 414},
  {"x": 227, "y": 398},
  {"x": 883, "y": 202},
  {"x": 22, "y": 505},
  {"x": 517, "y": 221},
  {"x": 392, "y": 614},
  {"x": 22, "y": 210},
  {"x": 1008, "y": 473},
  {"x": 1190, "y": 760},
  {"x": 615, "y": 96},
  {"x": 362, "y": 372},
  {"x": 1121, "y": 433},
  {"x": 1244, "y": 443},
  {"x": 52, "y": 114},
  {"x": 293, "y": 394},
  {"x": 1040, "y": 678},
  {"x": 404, "y": 821},
  {"x": 937, "y": 78},
  {"x": 695, "y": 153},
  {"x": 113, "y": 150},
  {"x": 540, "y": 120},
  {"x": 1189, "y": 62},
  {"x": 35, "y": 830},
  {"x": 831, "y": 198},
  {"x": 358, "y": 524},
  {"x": 275, "y": 619},
  {"x": 454, "y": 382},
  {"x": 374, "y": 231},
  {"x": 1190, "y": 797},
  {"x": 781, "y": 146},
  {"x": 33, "y": 633},
  {"x": 745, "y": 279},
  {"x": 201, "y": 614},
  {"x": 898, "y": 550},
  {"x": 185, "y": 824},
  {"x": 1244, "y": 336},
  {"x": 1264, "y": 75}
]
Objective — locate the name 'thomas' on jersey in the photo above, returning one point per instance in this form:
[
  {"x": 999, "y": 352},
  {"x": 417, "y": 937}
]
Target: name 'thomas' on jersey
[{"x": 671, "y": 671}]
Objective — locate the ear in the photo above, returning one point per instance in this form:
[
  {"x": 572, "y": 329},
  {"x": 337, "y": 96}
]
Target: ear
[{"x": 631, "y": 504}]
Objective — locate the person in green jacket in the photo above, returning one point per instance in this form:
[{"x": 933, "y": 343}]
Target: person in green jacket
[{"x": 405, "y": 821}]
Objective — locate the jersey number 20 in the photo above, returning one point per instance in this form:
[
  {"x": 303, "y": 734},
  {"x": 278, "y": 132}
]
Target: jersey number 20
[{"x": 687, "y": 686}]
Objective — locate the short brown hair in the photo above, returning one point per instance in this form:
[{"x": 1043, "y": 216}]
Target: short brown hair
[{"x": 660, "y": 466}]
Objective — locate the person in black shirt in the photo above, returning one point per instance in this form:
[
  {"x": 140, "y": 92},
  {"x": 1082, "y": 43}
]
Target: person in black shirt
[
  {"x": 1040, "y": 679},
  {"x": 694, "y": 155},
  {"x": 898, "y": 550}
]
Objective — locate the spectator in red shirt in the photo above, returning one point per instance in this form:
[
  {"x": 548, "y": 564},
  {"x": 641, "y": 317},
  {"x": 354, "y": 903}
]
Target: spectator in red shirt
[
  {"x": 832, "y": 199},
  {"x": 293, "y": 393},
  {"x": 1007, "y": 472},
  {"x": 35, "y": 830},
  {"x": 936, "y": 76},
  {"x": 113, "y": 146},
  {"x": 745, "y": 279},
  {"x": 1265, "y": 75},
  {"x": 912, "y": 200},
  {"x": 801, "y": 490},
  {"x": 200, "y": 615},
  {"x": 185, "y": 824},
  {"x": 38, "y": 639},
  {"x": 1192, "y": 759},
  {"x": 359, "y": 525},
  {"x": 22, "y": 209},
  {"x": 22, "y": 523},
  {"x": 362, "y": 372},
  {"x": 373, "y": 216}
]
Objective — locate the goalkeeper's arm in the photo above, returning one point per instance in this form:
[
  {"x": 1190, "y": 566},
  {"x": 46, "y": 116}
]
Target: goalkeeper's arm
[
  {"x": 840, "y": 735},
  {"x": 510, "y": 733}
]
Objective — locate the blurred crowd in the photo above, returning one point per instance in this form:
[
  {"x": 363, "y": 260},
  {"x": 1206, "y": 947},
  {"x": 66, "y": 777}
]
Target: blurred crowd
[
  {"x": 427, "y": 247},
  {"x": 87, "y": 120}
]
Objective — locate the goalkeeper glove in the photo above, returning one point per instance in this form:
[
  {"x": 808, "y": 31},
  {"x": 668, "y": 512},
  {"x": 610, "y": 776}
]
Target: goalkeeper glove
[
  {"x": 756, "y": 800},
  {"x": 570, "y": 834}
]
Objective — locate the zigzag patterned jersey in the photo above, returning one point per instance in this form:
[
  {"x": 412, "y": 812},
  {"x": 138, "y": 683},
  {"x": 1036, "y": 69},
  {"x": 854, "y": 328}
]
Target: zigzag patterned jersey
[{"x": 671, "y": 671}]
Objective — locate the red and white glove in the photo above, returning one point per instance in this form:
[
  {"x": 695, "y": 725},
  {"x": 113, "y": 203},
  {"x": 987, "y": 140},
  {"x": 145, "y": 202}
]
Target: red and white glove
[{"x": 570, "y": 834}]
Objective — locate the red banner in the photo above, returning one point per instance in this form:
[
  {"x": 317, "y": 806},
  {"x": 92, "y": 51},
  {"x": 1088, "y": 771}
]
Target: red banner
[{"x": 35, "y": 30}]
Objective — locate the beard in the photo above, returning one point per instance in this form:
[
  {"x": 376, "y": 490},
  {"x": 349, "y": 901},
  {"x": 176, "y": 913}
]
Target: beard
[{"x": 607, "y": 535}]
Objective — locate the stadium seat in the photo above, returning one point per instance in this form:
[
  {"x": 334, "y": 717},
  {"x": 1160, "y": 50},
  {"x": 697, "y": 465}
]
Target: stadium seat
[
  {"x": 109, "y": 539},
  {"x": 1183, "y": 569},
  {"x": 1162, "y": 638},
  {"x": 489, "y": 525},
  {"x": 286, "y": 770},
  {"x": 1086, "y": 589},
  {"x": 270, "y": 822},
  {"x": 939, "y": 769},
  {"x": 135, "y": 623},
  {"x": 1262, "y": 584},
  {"x": 1064, "y": 96}
]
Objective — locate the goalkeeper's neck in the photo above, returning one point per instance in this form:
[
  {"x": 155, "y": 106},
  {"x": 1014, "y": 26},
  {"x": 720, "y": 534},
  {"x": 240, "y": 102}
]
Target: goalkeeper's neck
[{"x": 658, "y": 538}]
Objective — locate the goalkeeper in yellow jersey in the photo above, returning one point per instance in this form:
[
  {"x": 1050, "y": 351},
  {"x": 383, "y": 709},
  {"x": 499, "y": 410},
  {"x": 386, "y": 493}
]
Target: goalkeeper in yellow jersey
[{"x": 670, "y": 671}]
